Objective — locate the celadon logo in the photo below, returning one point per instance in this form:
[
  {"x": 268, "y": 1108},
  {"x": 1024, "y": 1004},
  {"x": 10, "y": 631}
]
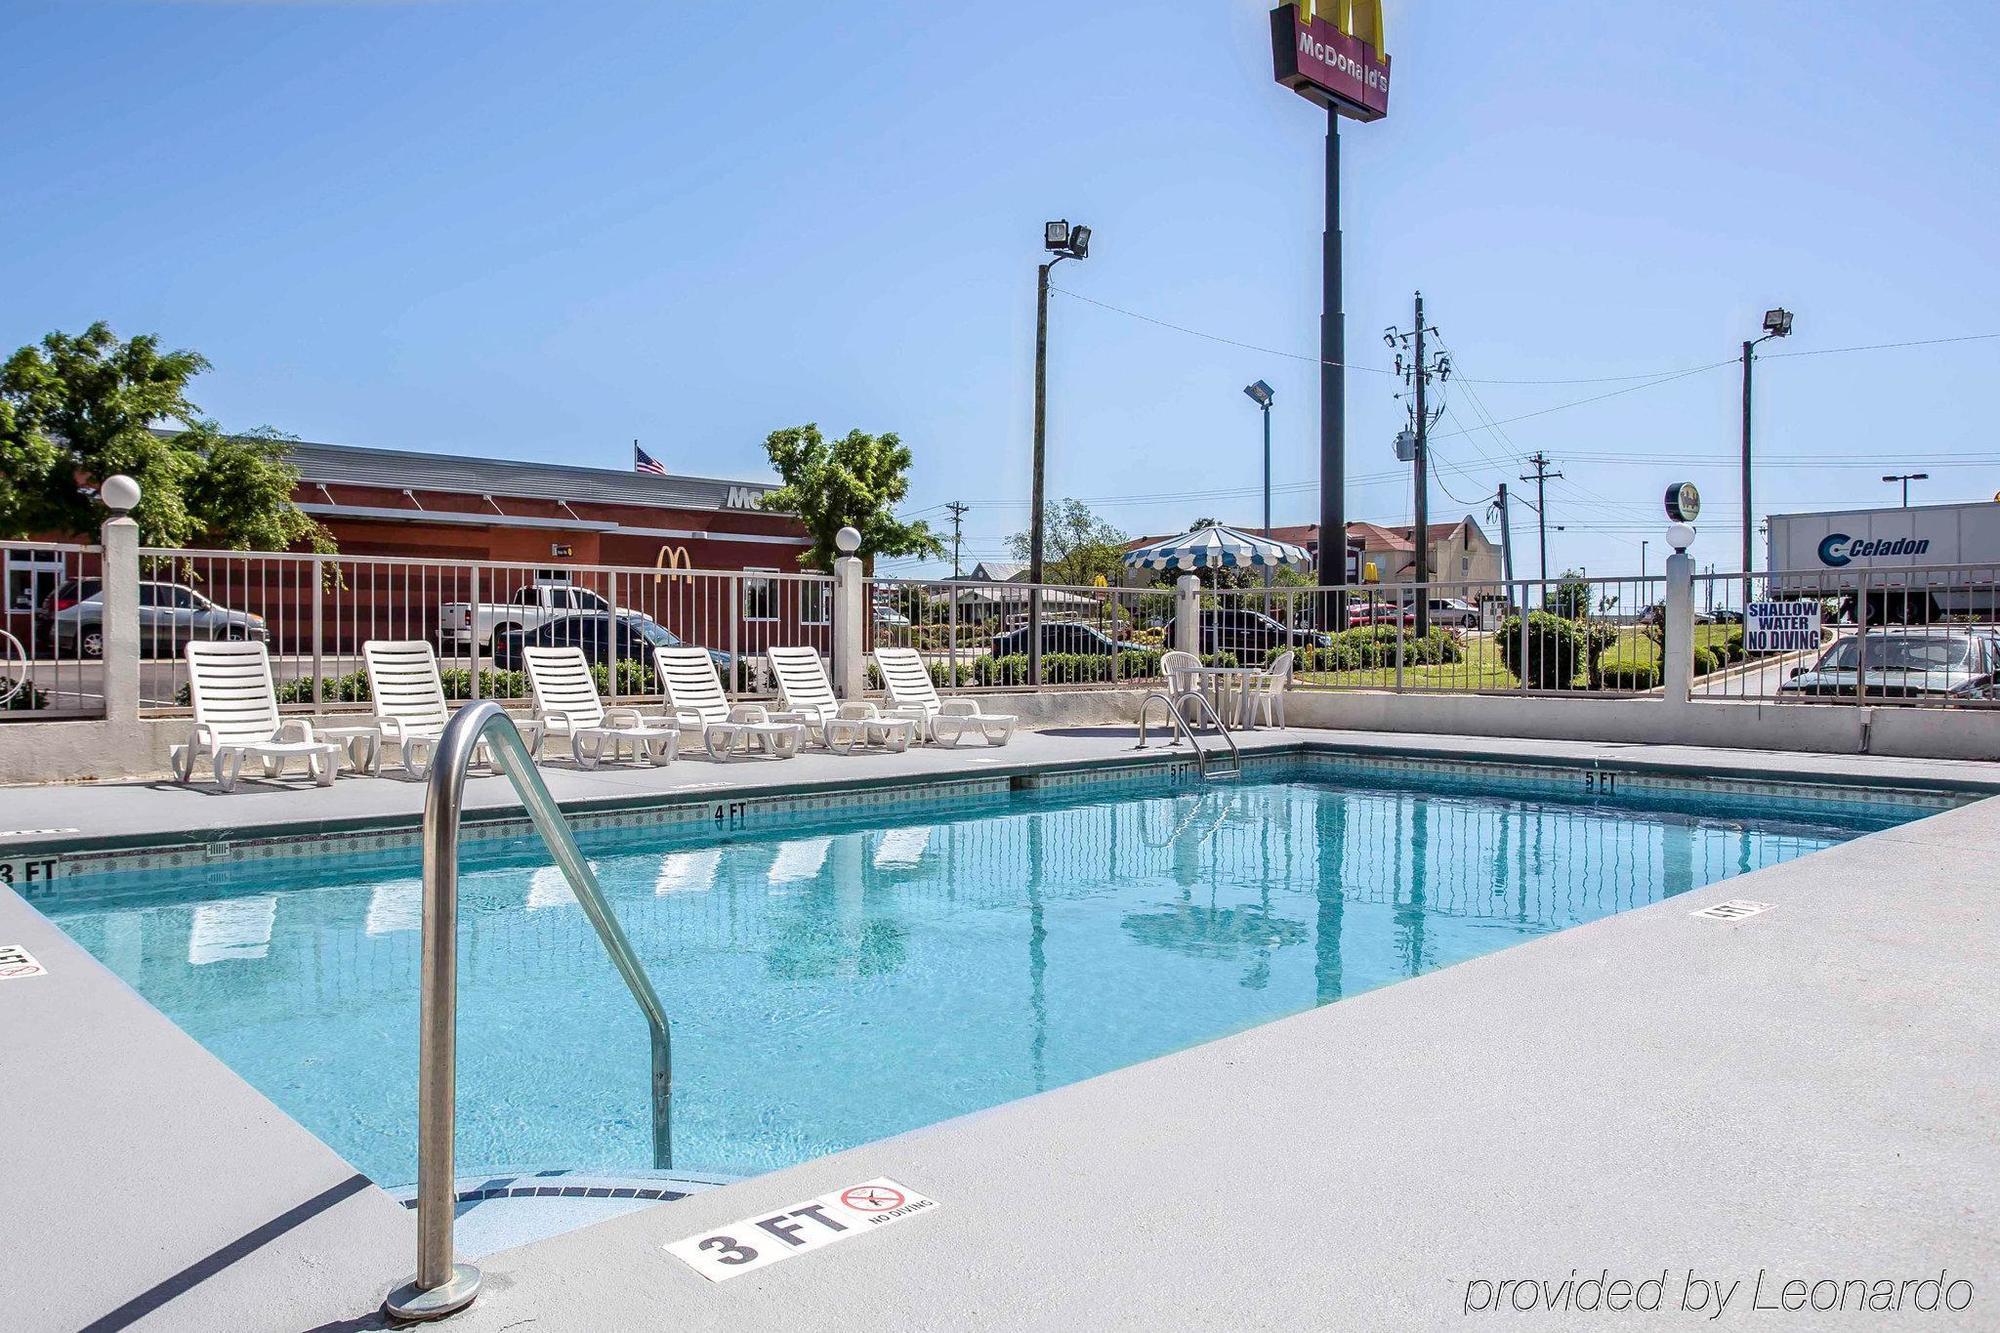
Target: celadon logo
[{"x": 1839, "y": 549}]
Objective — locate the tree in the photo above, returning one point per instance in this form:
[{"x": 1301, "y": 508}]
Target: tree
[
  {"x": 856, "y": 481},
  {"x": 1077, "y": 546},
  {"x": 75, "y": 410},
  {"x": 1571, "y": 599}
]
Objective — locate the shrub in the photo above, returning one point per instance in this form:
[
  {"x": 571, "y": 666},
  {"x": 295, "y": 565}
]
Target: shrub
[
  {"x": 1732, "y": 645},
  {"x": 1555, "y": 652},
  {"x": 30, "y": 699},
  {"x": 1627, "y": 674},
  {"x": 1706, "y": 659}
]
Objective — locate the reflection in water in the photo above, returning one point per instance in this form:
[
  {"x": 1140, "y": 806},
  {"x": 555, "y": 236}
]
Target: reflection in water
[
  {"x": 237, "y": 929},
  {"x": 833, "y": 986}
]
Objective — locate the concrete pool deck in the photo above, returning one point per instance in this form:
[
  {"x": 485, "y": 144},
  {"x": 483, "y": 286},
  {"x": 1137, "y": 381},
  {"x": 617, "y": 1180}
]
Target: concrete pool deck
[{"x": 1811, "y": 1092}]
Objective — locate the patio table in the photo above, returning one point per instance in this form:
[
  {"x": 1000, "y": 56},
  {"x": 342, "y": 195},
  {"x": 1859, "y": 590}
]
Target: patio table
[{"x": 1228, "y": 688}]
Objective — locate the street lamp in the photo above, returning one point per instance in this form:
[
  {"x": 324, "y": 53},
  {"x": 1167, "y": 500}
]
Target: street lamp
[
  {"x": 1063, "y": 242},
  {"x": 1906, "y": 478},
  {"x": 1777, "y": 324},
  {"x": 1260, "y": 394}
]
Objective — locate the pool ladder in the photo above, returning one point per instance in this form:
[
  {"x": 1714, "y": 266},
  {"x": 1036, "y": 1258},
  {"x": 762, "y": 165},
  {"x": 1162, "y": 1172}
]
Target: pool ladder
[
  {"x": 1176, "y": 706},
  {"x": 442, "y": 1286}
]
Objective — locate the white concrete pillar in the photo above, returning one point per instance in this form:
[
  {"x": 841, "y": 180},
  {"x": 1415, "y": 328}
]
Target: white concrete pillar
[
  {"x": 119, "y": 622},
  {"x": 850, "y": 610},
  {"x": 1677, "y": 646},
  {"x": 1187, "y": 614}
]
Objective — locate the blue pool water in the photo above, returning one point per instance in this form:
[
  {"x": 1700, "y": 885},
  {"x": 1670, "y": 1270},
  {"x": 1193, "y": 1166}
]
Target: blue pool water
[{"x": 837, "y": 981}]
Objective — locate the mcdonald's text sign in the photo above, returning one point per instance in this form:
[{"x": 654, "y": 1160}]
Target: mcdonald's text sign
[{"x": 1319, "y": 51}]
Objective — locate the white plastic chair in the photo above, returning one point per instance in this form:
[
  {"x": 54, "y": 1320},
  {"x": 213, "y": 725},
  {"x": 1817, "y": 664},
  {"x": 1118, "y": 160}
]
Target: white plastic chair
[
  {"x": 809, "y": 701},
  {"x": 914, "y": 695},
  {"x": 410, "y": 708},
  {"x": 1267, "y": 692},
  {"x": 694, "y": 696},
  {"x": 567, "y": 704},
  {"x": 1182, "y": 670},
  {"x": 236, "y": 718}
]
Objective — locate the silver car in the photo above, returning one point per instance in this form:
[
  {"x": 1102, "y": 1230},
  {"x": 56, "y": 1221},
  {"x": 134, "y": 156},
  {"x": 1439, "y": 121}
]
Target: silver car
[
  {"x": 170, "y": 614},
  {"x": 1902, "y": 664}
]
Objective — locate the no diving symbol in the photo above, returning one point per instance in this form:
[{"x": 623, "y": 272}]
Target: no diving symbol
[{"x": 873, "y": 1199}]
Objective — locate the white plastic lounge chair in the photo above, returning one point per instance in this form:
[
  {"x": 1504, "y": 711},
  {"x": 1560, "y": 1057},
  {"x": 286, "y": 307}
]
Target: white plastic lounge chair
[
  {"x": 695, "y": 698},
  {"x": 1267, "y": 692},
  {"x": 410, "y": 710},
  {"x": 236, "y": 718},
  {"x": 567, "y": 704},
  {"x": 914, "y": 695},
  {"x": 809, "y": 700}
]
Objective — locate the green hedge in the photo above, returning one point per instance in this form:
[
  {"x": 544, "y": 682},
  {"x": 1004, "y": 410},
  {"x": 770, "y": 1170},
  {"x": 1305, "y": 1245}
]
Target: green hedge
[
  {"x": 1555, "y": 653},
  {"x": 1626, "y": 674},
  {"x": 1369, "y": 646},
  {"x": 1080, "y": 668}
]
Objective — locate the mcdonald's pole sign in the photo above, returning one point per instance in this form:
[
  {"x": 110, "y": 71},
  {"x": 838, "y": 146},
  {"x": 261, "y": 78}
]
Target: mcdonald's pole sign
[{"x": 1330, "y": 53}]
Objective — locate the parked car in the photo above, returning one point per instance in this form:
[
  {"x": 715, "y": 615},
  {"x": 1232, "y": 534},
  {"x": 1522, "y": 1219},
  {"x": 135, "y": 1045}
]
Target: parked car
[
  {"x": 633, "y": 639},
  {"x": 1252, "y": 633},
  {"x": 67, "y": 594},
  {"x": 532, "y": 606},
  {"x": 888, "y": 617},
  {"x": 1902, "y": 664},
  {"x": 1361, "y": 611},
  {"x": 170, "y": 615},
  {"x": 1058, "y": 636},
  {"x": 1453, "y": 613}
]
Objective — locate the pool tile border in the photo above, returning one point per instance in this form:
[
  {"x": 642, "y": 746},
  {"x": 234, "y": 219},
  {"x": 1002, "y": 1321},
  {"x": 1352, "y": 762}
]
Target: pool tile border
[{"x": 750, "y": 810}]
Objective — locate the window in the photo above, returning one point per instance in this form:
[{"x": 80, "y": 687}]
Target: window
[
  {"x": 30, "y": 577},
  {"x": 815, "y": 603},
  {"x": 150, "y": 595},
  {"x": 758, "y": 603}
]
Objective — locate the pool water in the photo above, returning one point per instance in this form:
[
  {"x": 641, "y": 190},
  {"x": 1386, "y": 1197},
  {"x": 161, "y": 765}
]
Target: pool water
[{"x": 837, "y": 981}]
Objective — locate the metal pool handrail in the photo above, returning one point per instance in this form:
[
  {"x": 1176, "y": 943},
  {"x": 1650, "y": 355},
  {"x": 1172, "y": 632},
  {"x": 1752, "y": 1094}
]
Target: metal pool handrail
[
  {"x": 1180, "y": 722},
  {"x": 441, "y": 1286}
]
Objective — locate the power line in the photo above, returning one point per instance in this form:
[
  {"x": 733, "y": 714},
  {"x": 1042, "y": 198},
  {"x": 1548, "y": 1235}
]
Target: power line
[{"x": 1216, "y": 337}]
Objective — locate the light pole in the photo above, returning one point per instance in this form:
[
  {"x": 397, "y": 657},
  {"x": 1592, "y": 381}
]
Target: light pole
[
  {"x": 1642, "y": 566},
  {"x": 1064, "y": 242},
  {"x": 1906, "y": 478},
  {"x": 1777, "y": 324},
  {"x": 1260, "y": 394}
]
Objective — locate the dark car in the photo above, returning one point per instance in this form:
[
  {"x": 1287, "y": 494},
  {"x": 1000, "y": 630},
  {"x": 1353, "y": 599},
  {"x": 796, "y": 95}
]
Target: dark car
[
  {"x": 1250, "y": 634},
  {"x": 629, "y": 636},
  {"x": 1058, "y": 636},
  {"x": 67, "y": 594}
]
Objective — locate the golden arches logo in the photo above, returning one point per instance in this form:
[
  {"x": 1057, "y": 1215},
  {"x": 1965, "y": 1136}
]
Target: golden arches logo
[
  {"x": 1359, "y": 19},
  {"x": 674, "y": 564}
]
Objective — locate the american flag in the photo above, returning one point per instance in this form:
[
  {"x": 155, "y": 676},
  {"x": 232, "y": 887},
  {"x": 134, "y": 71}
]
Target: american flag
[{"x": 645, "y": 462}]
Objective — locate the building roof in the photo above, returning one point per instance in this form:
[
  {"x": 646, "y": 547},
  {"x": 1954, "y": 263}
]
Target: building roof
[{"x": 398, "y": 469}]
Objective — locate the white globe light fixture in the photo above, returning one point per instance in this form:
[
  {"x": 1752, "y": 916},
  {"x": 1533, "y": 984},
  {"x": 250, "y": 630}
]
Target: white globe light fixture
[
  {"x": 1680, "y": 536},
  {"x": 847, "y": 541},
  {"x": 120, "y": 494}
]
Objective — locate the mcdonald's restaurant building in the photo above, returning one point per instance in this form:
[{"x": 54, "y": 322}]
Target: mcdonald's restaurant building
[{"x": 423, "y": 506}]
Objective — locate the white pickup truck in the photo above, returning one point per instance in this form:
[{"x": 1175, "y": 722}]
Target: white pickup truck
[{"x": 531, "y": 607}]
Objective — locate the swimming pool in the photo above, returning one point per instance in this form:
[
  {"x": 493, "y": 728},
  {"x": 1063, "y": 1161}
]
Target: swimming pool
[{"x": 833, "y": 979}]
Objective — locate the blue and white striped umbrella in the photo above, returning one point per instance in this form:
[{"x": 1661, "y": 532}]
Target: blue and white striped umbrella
[{"x": 1216, "y": 547}]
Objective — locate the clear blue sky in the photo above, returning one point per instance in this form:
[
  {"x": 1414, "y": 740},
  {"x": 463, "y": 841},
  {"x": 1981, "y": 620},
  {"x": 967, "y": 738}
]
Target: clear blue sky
[{"x": 538, "y": 230}]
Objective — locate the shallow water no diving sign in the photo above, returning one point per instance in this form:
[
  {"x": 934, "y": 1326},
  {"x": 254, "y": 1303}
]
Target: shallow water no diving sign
[
  {"x": 741, "y": 1247},
  {"x": 18, "y": 962}
]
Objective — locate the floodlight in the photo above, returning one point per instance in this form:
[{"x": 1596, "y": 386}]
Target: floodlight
[
  {"x": 1260, "y": 393},
  {"x": 1778, "y": 323},
  {"x": 1055, "y": 235},
  {"x": 1079, "y": 241}
]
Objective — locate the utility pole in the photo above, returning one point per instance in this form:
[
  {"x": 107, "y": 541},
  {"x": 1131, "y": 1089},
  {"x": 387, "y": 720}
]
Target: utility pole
[
  {"x": 1506, "y": 538},
  {"x": 1419, "y": 373},
  {"x": 1540, "y": 463},
  {"x": 1063, "y": 242},
  {"x": 957, "y": 512}
]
